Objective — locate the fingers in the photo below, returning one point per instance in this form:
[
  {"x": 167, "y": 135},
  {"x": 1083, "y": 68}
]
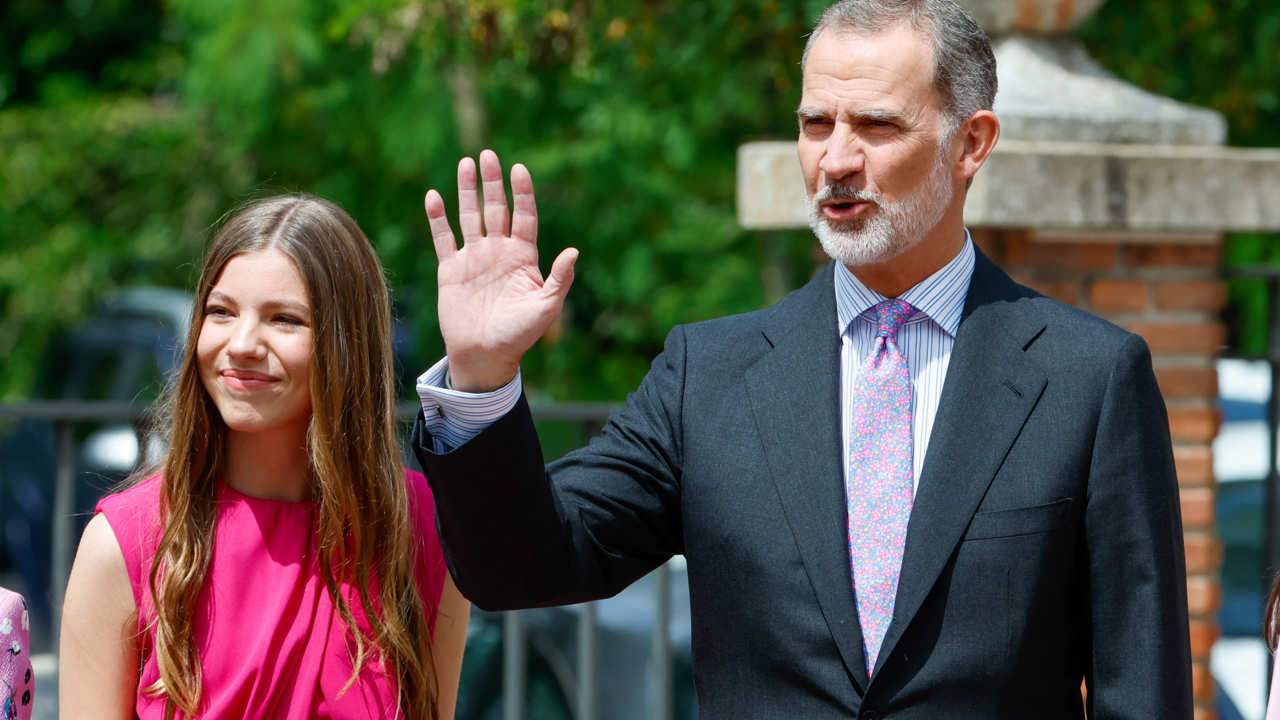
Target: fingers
[
  {"x": 441, "y": 233},
  {"x": 561, "y": 275},
  {"x": 495, "y": 196},
  {"x": 524, "y": 221},
  {"x": 468, "y": 203}
]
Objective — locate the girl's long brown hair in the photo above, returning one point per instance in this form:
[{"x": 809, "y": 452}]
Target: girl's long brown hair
[
  {"x": 1271, "y": 618},
  {"x": 362, "y": 517}
]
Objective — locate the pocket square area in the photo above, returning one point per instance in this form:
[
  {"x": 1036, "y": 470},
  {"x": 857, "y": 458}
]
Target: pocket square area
[{"x": 1017, "y": 521}]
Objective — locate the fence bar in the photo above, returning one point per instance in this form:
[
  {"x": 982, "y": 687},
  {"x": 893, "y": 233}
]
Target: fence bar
[
  {"x": 514, "y": 652},
  {"x": 588, "y": 642},
  {"x": 663, "y": 704},
  {"x": 64, "y": 492}
]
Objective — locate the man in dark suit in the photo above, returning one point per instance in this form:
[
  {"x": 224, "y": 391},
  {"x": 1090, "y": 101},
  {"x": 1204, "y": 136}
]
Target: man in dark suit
[{"x": 912, "y": 488}]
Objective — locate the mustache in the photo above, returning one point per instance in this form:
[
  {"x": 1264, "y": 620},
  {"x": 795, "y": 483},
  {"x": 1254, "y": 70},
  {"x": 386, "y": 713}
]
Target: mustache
[{"x": 845, "y": 192}]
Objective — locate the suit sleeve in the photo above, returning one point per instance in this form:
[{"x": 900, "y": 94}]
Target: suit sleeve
[
  {"x": 517, "y": 534},
  {"x": 1140, "y": 657}
]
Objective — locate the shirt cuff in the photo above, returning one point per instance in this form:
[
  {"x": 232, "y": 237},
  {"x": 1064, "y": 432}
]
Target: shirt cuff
[{"x": 453, "y": 417}]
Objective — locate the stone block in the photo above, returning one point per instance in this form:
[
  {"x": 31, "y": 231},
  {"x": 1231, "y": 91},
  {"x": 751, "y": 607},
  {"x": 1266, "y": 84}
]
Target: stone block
[
  {"x": 1194, "y": 464},
  {"x": 1194, "y": 424},
  {"x": 1204, "y": 596},
  {"x": 1066, "y": 291},
  {"x": 1197, "y": 507},
  {"x": 1049, "y": 16},
  {"x": 1202, "y": 688},
  {"x": 1083, "y": 256},
  {"x": 1186, "y": 382},
  {"x": 1203, "y": 553},
  {"x": 1207, "y": 295},
  {"x": 1203, "y": 256},
  {"x": 1117, "y": 295},
  {"x": 1173, "y": 337},
  {"x": 1204, "y": 633}
]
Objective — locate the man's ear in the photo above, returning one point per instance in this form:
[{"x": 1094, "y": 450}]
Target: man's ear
[{"x": 977, "y": 137}]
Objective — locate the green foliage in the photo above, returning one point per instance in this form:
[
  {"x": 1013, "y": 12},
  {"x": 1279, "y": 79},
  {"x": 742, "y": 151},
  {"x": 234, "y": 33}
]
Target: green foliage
[
  {"x": 628, "y": 116},
  {"x": 128, "y": 128},
  {"x": 1220, "y": 54},
  {"x": 97, "y": 194}
]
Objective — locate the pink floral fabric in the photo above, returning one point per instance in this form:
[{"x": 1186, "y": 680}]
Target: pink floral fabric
[
  {"x": 881, "y": 477},
  {"x": 17, "y": 681}
]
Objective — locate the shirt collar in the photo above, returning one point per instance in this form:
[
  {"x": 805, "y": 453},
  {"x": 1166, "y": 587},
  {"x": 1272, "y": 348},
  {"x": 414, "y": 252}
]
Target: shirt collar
[{"x": 940, "y": 297}]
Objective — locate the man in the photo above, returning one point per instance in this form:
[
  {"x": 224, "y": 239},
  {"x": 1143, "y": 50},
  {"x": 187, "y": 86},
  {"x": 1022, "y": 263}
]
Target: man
[{"x": 911, "y": 488}]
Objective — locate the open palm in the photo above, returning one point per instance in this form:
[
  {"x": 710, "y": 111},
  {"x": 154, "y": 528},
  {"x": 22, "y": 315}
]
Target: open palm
[{"x": 493, "y": 301}]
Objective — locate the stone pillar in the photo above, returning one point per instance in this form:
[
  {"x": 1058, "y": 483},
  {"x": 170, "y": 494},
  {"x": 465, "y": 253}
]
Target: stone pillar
[{"x": 1110, "y": 198}]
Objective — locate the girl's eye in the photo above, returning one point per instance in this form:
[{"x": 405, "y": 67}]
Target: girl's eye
[
  {"x": 216, "y": 310},
  {"x": 289, "y": 320}
]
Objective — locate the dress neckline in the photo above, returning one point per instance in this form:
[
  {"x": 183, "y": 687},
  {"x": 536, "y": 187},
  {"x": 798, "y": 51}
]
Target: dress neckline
[{"x": 225, "y": 489}]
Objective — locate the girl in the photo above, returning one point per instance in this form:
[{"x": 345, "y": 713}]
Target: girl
[{"x": 281, "y": 563}]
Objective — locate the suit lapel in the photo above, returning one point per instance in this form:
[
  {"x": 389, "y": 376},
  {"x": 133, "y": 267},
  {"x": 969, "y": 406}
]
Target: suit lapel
[
  {"x": 795, "y": 396},
  {"x": 990, "y": 389}
]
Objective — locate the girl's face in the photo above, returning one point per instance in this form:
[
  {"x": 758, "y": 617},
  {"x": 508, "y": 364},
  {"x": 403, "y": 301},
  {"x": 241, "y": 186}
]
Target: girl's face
[{"x": 254, "y": 348}]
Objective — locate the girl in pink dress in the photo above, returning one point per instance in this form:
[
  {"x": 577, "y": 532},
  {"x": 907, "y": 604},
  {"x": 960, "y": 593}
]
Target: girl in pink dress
[{"x": 279, "y": 563}]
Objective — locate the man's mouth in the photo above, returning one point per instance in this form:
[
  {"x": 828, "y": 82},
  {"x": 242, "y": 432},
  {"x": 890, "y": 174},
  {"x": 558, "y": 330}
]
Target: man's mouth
[{"x": 843, "y": 210}]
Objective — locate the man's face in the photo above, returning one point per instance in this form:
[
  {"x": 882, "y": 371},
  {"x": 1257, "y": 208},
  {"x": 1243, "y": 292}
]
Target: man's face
[{"x": 874, "y": 145}]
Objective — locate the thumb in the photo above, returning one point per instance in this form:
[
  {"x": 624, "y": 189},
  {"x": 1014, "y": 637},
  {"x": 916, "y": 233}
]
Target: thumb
[{"x": 561, "y": 275}]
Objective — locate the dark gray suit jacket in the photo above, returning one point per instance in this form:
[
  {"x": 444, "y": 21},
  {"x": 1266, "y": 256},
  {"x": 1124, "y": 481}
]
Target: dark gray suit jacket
[{"x": 1045, "y": 543}]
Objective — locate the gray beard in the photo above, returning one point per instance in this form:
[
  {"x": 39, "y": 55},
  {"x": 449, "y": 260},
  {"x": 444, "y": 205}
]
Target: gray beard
[{"x": 893, "y": 229}]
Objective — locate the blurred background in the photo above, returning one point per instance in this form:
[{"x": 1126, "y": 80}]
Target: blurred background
[{"x": 127, "y": 129}]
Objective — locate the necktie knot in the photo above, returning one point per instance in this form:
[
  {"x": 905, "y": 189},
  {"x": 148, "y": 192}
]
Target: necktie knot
[{"x": 892, "y": 315}]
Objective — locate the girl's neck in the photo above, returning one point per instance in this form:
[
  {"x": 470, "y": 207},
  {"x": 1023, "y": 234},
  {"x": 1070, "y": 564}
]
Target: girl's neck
[{"x": 271, "y": 465}]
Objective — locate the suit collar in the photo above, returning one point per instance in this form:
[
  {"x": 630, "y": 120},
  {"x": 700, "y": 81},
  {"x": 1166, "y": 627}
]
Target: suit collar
[
  {"x": 990, "y": 390},
  {"x": 794, "y": 394}
]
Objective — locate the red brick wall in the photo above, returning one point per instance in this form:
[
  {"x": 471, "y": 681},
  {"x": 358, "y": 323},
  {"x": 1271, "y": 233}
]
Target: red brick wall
[{"x": 1168, "y": 291}]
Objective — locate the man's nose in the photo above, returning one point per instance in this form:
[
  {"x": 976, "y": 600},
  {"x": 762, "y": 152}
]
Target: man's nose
[{"x": 844, "y": 155}]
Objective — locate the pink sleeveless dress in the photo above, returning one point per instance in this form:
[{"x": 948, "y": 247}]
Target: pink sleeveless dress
[{"x": 271, "y": 643}]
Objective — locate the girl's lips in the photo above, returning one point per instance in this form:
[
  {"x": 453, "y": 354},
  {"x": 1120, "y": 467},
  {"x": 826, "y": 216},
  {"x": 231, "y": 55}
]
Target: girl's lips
[
  {"x": 845, "y": 211},
  {"x": 246, "y": 380}
]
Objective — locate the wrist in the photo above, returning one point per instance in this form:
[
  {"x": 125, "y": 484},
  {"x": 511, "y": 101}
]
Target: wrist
[{"x": 476, "y": 375}]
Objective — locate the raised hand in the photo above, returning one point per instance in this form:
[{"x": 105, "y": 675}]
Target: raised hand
[{"x": 493, "y": 303}]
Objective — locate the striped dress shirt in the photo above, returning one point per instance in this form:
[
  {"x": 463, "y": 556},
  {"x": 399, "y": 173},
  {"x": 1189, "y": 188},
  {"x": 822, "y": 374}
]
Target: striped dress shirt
[
  {"x": 926, "y": 341},
  {"x": 454, "y": 417}
]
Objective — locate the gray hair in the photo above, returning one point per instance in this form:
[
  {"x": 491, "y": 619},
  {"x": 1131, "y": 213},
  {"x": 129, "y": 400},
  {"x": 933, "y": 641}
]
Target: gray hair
[{"x": 964, "y": 66}]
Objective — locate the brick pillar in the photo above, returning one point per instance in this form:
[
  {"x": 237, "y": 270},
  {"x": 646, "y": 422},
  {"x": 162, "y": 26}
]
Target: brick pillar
[{"x": 1169, "y": 292}]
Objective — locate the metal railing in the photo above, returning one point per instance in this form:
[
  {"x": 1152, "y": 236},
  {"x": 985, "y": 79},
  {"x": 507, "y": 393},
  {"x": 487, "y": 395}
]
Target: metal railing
[{"x": 66, "y": 416}]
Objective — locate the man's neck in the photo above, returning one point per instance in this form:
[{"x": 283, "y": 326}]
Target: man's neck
[{"x": 898, "y": 275}]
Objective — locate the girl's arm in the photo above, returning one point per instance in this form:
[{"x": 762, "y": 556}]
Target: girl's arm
[
  {"x": 98, "y": 657},
  {"x": 447, "y": 645}
]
